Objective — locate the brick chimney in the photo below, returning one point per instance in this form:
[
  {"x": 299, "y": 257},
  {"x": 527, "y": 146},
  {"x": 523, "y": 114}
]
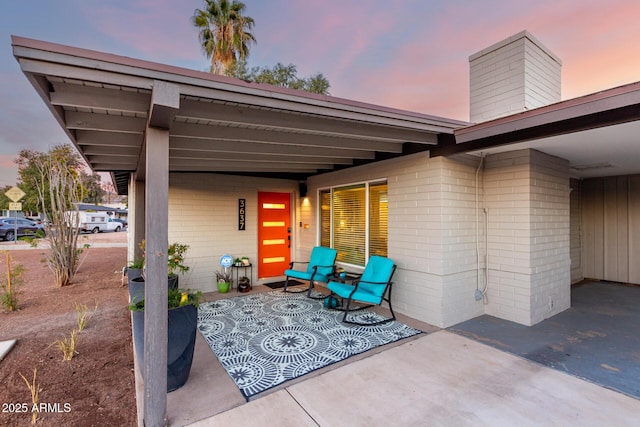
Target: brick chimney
[{"x": 512, "y": 76}]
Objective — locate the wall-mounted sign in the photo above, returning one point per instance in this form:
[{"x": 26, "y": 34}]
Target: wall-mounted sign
[{"x": 242, "y": 205}]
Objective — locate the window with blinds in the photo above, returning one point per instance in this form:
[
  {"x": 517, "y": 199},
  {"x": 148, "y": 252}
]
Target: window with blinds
[
  {"x": 378, "y": 219},
  {"x": 325, "y": 218},
  {"x": 353, "y": 220}
]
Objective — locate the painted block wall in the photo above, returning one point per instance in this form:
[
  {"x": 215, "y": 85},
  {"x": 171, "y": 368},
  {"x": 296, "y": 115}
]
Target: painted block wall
[
  {"x": 611, "y": 228},
  {"x": 203, "y": 213},
  {"x": 527, "y": 199},
  {"x": 577, "y": 273},
  {"x": 431, "y": 232},
  {"x": 511, "y": 76}
]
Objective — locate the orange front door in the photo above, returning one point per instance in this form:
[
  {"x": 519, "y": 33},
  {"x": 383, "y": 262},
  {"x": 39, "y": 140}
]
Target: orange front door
[{"x": 274, "y": 234}]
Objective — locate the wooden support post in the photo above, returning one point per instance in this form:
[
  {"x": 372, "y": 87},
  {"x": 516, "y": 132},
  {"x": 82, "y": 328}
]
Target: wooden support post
[{"x": 165, "y": 101}]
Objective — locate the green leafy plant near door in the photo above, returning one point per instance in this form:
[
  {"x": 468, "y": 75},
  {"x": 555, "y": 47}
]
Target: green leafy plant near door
[
  {"x": 176, "y": 298},
  {"x": 175, "y": 258}
]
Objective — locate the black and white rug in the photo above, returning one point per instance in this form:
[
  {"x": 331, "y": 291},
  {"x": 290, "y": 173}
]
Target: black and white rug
[{"x": 266, "y": 339}]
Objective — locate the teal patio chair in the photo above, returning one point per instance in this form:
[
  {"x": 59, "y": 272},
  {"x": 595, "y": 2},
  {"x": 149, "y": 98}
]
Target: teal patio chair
[
  {"x": 370, "y": 288},
  {"x": 319, "y": 267}
]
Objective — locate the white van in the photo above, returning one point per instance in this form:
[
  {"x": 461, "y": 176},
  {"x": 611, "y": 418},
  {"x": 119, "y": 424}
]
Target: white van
[{"x": 96, "y": 222}]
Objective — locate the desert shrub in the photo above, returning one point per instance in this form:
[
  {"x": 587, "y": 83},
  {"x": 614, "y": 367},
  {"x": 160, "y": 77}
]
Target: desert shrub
[
  {"x": 68, "y": 345},
  {"x": 11, "y": 282}
]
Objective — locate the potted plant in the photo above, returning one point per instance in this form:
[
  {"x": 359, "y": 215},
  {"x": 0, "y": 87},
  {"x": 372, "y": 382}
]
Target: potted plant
[
  {"x": 182, "y": 322},
  {"x": 223, "y": 278},
  {"x": 175, "y": 262},
  {"x": 244, "y": 284},
  {"x": 134, "y": 277},
  {"x": 245, "y": 261},
  {"x": 175, "y": 265}
]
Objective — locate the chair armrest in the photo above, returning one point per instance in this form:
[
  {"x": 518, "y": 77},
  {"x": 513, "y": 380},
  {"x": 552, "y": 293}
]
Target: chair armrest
[
  {"x": 357, "y": 282},
  {"x": 297, "y": 262},
  {"x": 324, "y": 266}
]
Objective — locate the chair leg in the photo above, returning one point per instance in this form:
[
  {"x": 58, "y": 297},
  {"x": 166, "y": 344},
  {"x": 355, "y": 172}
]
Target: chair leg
[
  {"x": 346, "y": 311},
  {"x": 319, "y": 297},
  {"x": 383, "y": 321},
  {"x": 393, "y": 315},
  {"x": 286, "y": 282}
]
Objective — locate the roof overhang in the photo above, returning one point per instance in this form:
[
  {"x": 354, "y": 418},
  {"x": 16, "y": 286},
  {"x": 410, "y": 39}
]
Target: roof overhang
[
  {"x": 598, "y": 133},
  {"x": 221, "y": 125}
]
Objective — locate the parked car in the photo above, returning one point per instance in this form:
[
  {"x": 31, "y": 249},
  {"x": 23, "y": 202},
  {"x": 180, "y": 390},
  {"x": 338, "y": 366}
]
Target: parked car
[
  {"x": 113, "y": 224},
  {"x": 24, "y": 227},
  {"x": 121, "y": 221}
]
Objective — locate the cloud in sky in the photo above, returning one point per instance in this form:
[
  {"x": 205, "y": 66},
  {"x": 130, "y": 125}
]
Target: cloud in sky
[{"x": 408, "y": 54}]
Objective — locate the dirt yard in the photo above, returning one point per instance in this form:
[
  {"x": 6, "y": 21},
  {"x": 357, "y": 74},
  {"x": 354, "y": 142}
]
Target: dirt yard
[{"x": 96, "y": 387}]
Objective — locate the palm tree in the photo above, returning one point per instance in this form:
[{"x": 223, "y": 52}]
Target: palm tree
[{"x": 224, "y": 32}]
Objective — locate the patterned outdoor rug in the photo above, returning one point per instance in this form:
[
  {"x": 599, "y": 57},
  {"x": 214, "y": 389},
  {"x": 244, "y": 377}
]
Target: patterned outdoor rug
[{"x": 265, "y": 339}]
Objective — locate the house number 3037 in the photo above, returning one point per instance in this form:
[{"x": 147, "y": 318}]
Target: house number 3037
[{"x": 242, "y": 205}]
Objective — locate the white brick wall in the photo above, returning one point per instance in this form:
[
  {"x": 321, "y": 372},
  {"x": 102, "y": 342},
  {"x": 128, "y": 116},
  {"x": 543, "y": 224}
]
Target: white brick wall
[
  {"x": 432, "y": 230},
  {"x": 527, "y": 197},
  {"x": 431, "y": 233},
  {"x": 203, "y": 213},
  {"x": 512, "y": 76}
]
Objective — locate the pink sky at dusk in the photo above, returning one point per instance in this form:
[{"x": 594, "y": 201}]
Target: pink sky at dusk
[{"x": 407, "y": 54}]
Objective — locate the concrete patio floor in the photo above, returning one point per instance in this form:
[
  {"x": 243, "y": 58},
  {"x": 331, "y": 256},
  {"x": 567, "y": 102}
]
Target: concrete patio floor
[{"x": 439, "y": 378}]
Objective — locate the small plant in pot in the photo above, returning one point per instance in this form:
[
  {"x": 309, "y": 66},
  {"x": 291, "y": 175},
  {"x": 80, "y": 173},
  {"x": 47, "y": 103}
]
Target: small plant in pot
[
  {"x": 223, "y": 278},
  {"x": 182, "y": 323},
  {"x": 175, "y": 262}
]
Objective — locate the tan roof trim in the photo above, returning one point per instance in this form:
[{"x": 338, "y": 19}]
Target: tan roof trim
[
  {"x": 619, "y": 97},
  {"x": 22, "y": 46}
]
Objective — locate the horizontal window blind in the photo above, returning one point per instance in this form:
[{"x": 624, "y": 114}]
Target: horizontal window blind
[
  {"x": 349, "y": 224},
  {"x": 354, "y": 221},
  {"x": 325, "y": 218},
  {"x": 378, "y": 219}
]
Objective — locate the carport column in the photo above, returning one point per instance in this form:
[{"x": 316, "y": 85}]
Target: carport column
[{"x": 165, "y": 101}]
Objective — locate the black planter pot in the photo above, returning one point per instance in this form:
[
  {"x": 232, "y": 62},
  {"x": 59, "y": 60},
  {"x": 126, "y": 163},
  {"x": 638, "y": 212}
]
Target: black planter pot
[
  {"x": 136, "y": 286},
  {"x": 136, "y": 289},
  {"x": 173, "y": 281},
  {"x": 181, "y": 343},
  {"x": 133, "y": 273}
]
